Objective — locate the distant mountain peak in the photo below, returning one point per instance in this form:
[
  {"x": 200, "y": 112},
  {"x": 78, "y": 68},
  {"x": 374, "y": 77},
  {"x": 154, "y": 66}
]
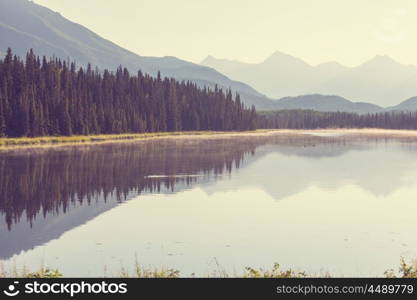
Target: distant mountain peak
[
  {"x": 381, "y": 60},
  {"x": 332, "y": 63},
  {"x": 279, "y": 57},
  {"x": 279, "y": 53},
  {"x": 407, "y": 105},
  {"x": 383, "y": 57},
  {"x": 208, "y": 59}
]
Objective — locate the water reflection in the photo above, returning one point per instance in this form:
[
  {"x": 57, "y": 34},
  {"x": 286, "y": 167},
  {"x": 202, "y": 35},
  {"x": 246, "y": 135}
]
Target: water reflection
[
  {"x": 49, "y": 182},
  {"x": 46, "y": 193}
]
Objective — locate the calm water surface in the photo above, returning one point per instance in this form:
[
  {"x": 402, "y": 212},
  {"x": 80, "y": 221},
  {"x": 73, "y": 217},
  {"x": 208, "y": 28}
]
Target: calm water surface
[{"x": 320, "y": 203}]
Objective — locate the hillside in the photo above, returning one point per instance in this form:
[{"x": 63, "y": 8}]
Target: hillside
[
  {"x": 407, "y": 105},
  {"x": 381, "y": 80},
  {"x": 325, "y": 103},
  {"x": 25, "y": 25}
]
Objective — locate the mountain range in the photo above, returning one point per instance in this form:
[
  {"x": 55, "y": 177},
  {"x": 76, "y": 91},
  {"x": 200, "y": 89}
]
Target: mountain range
[
  {"x": 25, "y": 25},
  {"x": 381, "y": 80},
  {"x": 329, "y": 103}
]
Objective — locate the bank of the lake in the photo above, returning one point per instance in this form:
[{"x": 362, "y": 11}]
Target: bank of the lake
[
  {"x": 53, "y": 141},
  {"x": 406, "y": 269},
  {"x": 7, "y": 143}
]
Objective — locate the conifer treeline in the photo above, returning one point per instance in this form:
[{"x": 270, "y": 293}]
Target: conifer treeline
[
  {"x": 40, "y": 97},
  {"x": 310, "y": 119}
]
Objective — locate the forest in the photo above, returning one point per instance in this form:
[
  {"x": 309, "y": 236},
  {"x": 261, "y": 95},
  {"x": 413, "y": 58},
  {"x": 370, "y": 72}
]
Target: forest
[
  {"x": 310, "y": 119},
  {"x": 52, "y": 97}
]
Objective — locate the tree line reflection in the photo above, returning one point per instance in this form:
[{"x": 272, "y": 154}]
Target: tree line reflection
[
  {"x": 42, "y": 182},
  {"x": 38, "y": 183}
]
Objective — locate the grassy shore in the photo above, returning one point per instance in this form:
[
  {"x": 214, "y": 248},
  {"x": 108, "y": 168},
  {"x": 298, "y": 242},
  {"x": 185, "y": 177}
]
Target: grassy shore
[
  {"x": 76, "y": 139},
  {"x": 405, "y": 270},
  {"x": 30, "y": 142},
  {"x": 49, "y": 141}
]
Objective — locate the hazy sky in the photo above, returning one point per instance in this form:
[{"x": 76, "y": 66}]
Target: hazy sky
[{"x": 347, "y": 31}]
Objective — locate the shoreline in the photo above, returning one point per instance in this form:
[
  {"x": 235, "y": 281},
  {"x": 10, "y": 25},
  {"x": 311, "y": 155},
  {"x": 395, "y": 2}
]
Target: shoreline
[
  {"x": 406, "y": 269},
  {"x": 59, "y": 141}
]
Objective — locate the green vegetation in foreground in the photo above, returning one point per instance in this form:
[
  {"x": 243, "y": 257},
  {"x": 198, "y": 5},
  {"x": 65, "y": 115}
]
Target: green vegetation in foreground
[
  {"x": 406, "y": 270},
  {"x": 78, "y": 139}
]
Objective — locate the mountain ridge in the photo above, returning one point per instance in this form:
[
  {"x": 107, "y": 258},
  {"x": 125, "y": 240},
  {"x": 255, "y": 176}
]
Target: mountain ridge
[
  {"x": 25, "y": 25},
  {"x": 380, "y": 80},
  {"x": 408, "y": 105},
  {"x": 328, "y": 103}
]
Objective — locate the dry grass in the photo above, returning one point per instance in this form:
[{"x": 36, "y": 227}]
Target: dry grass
[
  {"x": 405, "y": 270},
  {"x": 75, "y": 139},
  {"x": 275, "y": 272},
  {"x": 48, "y": 141},
  {"x": 43, "y": 272}
]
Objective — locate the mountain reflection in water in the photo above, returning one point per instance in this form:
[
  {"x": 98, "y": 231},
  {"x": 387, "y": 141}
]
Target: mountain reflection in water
[{"x": 47, "y": 192}]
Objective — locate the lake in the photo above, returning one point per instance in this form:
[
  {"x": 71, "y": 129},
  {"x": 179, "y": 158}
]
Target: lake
[{"x": 334, "y": 203}]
